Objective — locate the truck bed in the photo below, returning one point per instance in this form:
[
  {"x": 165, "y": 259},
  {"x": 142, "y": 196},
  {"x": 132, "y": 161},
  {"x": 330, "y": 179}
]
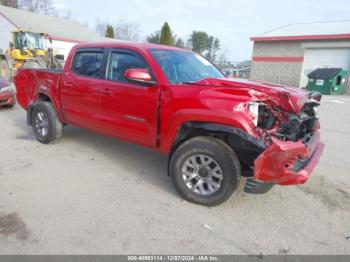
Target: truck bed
[{"x": 33, "y": 81}]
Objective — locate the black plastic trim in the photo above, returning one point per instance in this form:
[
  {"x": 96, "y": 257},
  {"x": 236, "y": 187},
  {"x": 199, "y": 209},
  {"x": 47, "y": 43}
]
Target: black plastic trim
[{"x": 257, "y": 187}]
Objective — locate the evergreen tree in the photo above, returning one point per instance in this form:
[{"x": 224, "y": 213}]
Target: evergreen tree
[
  {"x": 204, "y": 44},
  {"x": 180, "y": 43},
  {"x": 110, "y": 32},
  {"x": 199, "y": 41},
  {"x": 166, "y": 36},
  {"x": 154, "y": 38}
]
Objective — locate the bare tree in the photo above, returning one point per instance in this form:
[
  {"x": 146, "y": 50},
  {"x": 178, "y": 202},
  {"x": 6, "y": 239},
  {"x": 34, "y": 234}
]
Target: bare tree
[
  {"x": 9, "y": 3},
  {"x": 101, "y": 27},
  {"x": 127, "y": 31},
  {"x": 67, "y": 15},
  {"x": 222, "y": 59},
  {"x": 123, "y": 30},
  {"x": 38, "y": 6}
]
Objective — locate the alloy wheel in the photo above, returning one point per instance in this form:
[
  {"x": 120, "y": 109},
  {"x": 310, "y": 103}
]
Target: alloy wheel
[{"x": 202, "y": 174}]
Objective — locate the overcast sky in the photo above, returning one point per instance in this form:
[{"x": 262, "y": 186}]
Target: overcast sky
[{"x": 232, "y": 21}]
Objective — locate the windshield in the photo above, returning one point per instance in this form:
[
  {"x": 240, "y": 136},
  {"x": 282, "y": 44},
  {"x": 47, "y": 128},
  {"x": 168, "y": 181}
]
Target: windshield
[
  {"x": 184, "y": 66},
  {"x": 29, "y": 40},
  {"x": 36, "y": 40}
]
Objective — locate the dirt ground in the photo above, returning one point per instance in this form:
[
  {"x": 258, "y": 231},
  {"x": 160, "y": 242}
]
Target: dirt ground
[{"x": 91, "y": 194}]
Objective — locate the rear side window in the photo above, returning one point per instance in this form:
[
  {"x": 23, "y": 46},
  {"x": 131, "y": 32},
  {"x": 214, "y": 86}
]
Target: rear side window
[{"x": 88, "y": 63}]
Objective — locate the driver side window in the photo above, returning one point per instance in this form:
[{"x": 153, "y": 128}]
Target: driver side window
[{"x": 120, "y": 62}]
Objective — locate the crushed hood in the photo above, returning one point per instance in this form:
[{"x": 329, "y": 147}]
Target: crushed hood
[{"x": 288, "y": 98}]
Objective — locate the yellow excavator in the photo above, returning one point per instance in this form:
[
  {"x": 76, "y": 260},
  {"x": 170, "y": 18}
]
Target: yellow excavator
[{"x": 28, "y": 50}]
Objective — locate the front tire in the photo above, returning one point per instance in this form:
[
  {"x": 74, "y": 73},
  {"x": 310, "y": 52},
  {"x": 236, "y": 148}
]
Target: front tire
[
  {"x": 205, "y": 171},
  {"x": 46, "y": 126}
]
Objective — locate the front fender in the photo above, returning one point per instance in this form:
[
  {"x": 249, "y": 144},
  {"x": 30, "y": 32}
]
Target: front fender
[{"x": 238, "y": 121}]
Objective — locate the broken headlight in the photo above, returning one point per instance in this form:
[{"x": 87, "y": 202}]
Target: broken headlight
[
  {"x": 263, "y": 117},
  {"x": 254, "y": 110}
]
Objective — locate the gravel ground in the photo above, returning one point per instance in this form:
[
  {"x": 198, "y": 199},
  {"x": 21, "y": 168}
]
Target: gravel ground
[{"x": 91, "y": 194}]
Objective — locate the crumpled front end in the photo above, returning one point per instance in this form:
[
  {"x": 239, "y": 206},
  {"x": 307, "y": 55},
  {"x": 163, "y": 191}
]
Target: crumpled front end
[
  {"x": 288, "y": 162},
  {"x": 293, "y": 145}
]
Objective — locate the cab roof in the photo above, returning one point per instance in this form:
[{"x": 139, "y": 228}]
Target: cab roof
[{"x": 125, "y": 44}]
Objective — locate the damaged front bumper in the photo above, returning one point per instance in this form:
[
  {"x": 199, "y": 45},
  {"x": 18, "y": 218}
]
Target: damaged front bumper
[{"x": 288, "y": 163}]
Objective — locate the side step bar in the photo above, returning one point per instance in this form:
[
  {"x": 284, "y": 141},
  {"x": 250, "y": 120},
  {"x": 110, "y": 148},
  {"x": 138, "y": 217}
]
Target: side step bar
[{"x": 257, "y": 187}]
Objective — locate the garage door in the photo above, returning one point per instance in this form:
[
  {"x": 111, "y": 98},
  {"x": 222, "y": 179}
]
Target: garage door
[{"x": 325, "y": 57}]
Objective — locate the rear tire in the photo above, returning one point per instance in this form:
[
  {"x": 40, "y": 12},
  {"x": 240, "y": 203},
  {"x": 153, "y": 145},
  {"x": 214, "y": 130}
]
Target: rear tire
[
  {"x": 46, "y": 125},
  {"x": 205, "y": 171}
]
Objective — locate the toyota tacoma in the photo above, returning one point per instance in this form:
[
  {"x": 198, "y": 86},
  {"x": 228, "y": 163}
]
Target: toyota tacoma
[{"x": 215, "y": 130}]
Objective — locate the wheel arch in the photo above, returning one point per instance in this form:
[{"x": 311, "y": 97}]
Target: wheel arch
[
  {"x": 44, "y": 98},
  {"x": 41, "y": 97},
  {"x": 246, "y": 146}
]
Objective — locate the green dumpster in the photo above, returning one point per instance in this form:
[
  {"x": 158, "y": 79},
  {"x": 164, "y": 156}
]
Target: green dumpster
[{"x": 328, "y": 81}]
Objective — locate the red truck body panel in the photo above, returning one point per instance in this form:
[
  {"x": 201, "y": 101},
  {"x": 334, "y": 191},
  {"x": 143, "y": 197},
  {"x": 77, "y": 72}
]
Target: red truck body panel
[
  {"x": 152, "y": 115},
  {"x": 277, "y": 162}
]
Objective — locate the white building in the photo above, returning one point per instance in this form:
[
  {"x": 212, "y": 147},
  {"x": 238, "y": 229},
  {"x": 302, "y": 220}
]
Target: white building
[
  {"x": 288, "y": 54},
  {"x": 63, "y": 33}
]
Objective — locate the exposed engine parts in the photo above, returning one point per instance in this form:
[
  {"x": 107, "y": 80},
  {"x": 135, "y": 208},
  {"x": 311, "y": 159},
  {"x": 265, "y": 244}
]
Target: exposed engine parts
[
  {"x": 288, "y": 126},
  {"x": 266, "y": 119}
]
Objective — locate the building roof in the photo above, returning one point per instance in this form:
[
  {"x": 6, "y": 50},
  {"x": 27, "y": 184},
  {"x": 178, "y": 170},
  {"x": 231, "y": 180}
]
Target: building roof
[
  {"x": 58, "y": 28},
  {"x": 324, "y": 73},
  {"x": 307, "y": 31}
]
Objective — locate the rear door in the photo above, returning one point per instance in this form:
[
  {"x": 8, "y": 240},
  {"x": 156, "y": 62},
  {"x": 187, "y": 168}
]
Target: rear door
[
  {"x": 80, "y": 89},
  {"x": 129, "y": 110}
]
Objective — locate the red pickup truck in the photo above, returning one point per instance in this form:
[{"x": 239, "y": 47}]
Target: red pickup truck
[{"x": 214, "y": 130}]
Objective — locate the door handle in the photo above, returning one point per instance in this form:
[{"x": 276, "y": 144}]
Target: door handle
[{"x": 107, "y": 92}]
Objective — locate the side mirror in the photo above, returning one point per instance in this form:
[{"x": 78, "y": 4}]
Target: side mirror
[{"x": 139, "y": 76}]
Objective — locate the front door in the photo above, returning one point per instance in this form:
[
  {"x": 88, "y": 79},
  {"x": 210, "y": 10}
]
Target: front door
[{"x": 129, "y": 110}]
